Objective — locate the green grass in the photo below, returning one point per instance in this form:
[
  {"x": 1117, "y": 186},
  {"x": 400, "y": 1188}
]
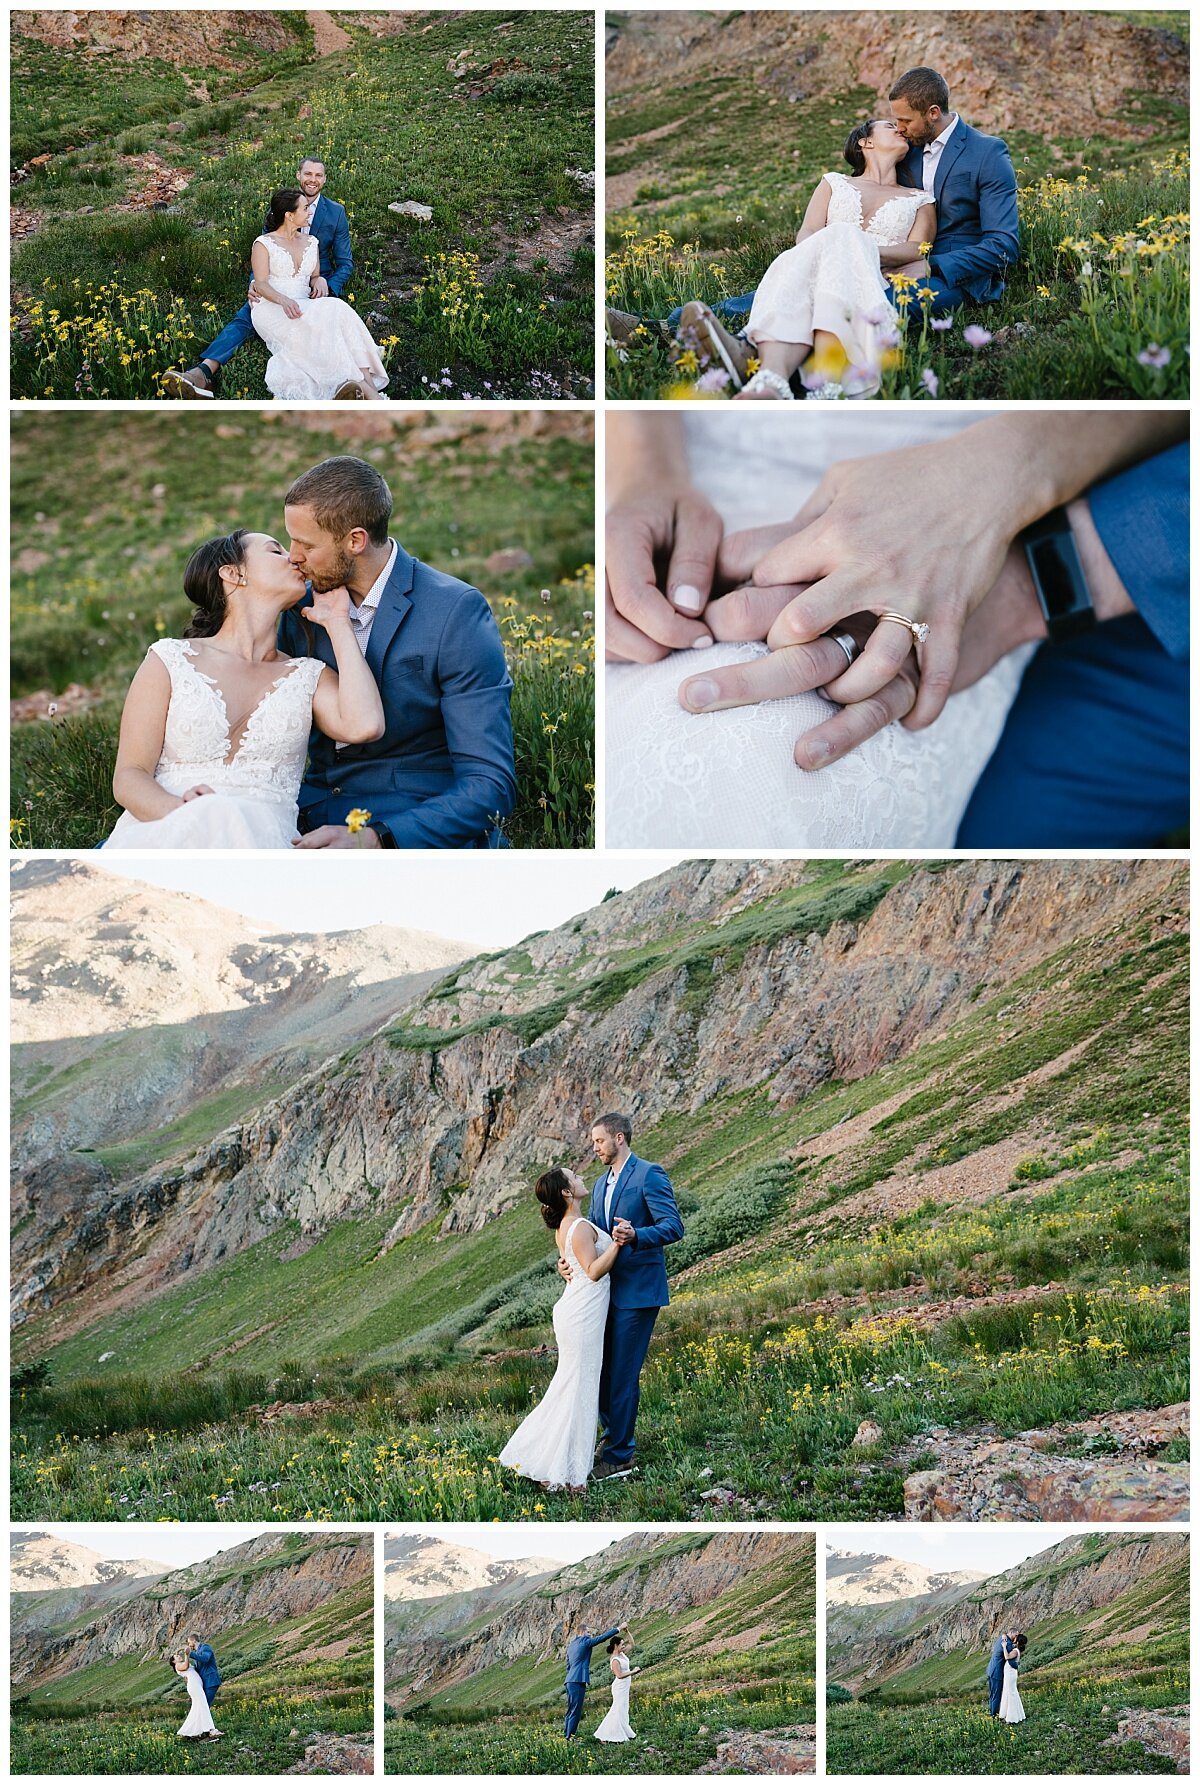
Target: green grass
[
  {"x": 258, "y": 1738},
  {"x": 98, "y": 587},
  {"x": 425, "y": 1359},
  {"x": 668, "y": 1727},
  {"x": 1066, "y": 1731},
  {"x": 1069, "y": 334},
  {"x": 492, "y": 298}
]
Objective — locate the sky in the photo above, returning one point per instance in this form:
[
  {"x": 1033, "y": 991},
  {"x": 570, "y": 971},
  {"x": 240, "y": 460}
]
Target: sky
[
  {"x": 987, "y": 1549},
  {"x": 563, "y": 1543},
  {"x": 488, "y": 898},
  {"x": 175, "y": 1546}
]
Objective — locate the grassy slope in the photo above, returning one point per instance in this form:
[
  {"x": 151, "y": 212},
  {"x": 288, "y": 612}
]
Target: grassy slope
[
  {"x": 494, "y": 170},
  {"x": 722, "y": 179},
  {"x": 257, "y": 1740},
  {"x": 96, "y": 591},
  {"x": 742, "y": 1379}
]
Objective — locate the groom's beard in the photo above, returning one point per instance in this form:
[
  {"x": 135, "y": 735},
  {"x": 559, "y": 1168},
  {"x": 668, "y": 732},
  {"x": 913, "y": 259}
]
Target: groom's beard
[{"x": 342, "y": 572}]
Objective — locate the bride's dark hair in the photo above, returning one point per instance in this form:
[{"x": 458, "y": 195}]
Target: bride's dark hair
[
  {"x": 551, "y": 1191},
  {"x": 202, "y": 581},
  {"x": 853, "y": 151},
  {"x": 283, "y": 201},
  {"x": 615, "y": 1644},
  {"x": 1022, "y": 1643}
]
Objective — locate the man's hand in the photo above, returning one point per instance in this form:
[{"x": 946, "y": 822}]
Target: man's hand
[
  {"x": 319, "y": 286},
  {"x": 336, "y": 836},
  {"x": 623, "y": 1231},
  {"x": 564, "y": 1270}
]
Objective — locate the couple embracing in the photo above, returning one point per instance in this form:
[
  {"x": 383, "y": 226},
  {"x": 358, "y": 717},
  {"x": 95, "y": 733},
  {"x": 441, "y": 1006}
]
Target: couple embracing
[
  {"x": 331, "y": 693},
  {"x": 928, "y": 212},
  {"x": 611, "y": 1261},
  {"x": 1004, "y": 1698},
  {"x": 196, "y": 1666}
]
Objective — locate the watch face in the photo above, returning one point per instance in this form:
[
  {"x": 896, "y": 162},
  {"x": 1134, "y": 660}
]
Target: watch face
[{"x": 1056, "y": 564}]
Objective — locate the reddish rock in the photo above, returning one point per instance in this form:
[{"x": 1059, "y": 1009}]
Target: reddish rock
[{"x": 1160, "y": 1732}]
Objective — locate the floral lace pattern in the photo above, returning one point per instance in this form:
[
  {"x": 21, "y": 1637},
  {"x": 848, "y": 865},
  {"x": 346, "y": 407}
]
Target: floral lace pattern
[{"x": 846, "y": 206}]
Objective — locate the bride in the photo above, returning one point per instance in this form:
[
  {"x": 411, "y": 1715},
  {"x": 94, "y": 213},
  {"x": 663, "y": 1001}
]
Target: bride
[
  {"x": 828, "y": 296},
  {"x": 616, "y": 1726},
  {"x": 199, "y": 1720},
  {"x": 1011, "y": 1709},
  {"x": 317, "y": 345},
  {"x": 555, "y": 1444},
  {"x": 215, "y": 730}
]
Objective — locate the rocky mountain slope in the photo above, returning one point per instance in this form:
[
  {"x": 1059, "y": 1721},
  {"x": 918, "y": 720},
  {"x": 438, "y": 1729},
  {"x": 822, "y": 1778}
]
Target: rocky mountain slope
[
  {"x": 1106, "y": 1599},
  {"x": 419, "y": 1567},
  {"x": 257, "y": 1602},
  {"x": 715, "y": 980},
  {"x": 1057, "y": 71},
  {"x": 39, "y": 1562},
  {"x": 872, "y": 1593},
  {"x": 690, "y": 1599}
]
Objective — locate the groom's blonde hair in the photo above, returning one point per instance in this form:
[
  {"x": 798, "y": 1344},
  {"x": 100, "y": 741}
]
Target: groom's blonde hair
[{"x": 343, "y": 493}]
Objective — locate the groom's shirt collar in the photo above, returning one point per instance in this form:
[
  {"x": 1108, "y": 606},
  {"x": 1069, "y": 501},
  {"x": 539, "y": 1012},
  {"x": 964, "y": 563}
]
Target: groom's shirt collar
[
  {"x": 362, "y": 617},
  {"x": 932, "y": 153}
]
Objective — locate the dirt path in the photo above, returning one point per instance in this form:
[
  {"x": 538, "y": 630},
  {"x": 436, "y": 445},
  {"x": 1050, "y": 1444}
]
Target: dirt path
[{"x": 328, "y": 39}]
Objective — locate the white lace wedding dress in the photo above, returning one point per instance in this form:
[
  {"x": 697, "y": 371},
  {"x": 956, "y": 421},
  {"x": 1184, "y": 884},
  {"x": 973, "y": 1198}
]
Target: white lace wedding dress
[
  {"x": 255, "y": 777},
  {"x": 556, "y": 1443},
  {"x": 615, "y": 1727},
  {"x": 314, "y": 353},
  {"x": 833, "y": 280},
  {"x": 727, "y": 780},
  {"x": 1011, "y": 1708},
  {"x": 199, "y": 1720}
]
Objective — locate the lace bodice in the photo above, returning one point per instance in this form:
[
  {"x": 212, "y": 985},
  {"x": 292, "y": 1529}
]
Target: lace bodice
[
  {"x": 580, "y": 1281},
  {"x": 268, "y": 759},
  {"x": 890, "y": 223},
  {"x": 623, "y": 1667},
  {"x": 284, "y": 275}
]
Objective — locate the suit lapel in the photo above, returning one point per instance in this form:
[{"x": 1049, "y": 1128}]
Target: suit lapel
[
  {"x": 948, "y": 156},
  {"x": 394, "y": 604},
  {"x": 619, "y": 1188}
]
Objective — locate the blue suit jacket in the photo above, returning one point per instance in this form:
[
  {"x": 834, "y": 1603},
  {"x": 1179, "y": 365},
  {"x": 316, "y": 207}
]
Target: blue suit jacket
[
  {"x": 443, "y": 769},
  {"x": 978, "y": 232},
  {"x": 205, "y": 1663},
  {"x": 996, "y": 1664},
  {"x": 644, "y": 1198},
  {"x": 579, "y": 1656},
  {"x": 333, "y": 234}
]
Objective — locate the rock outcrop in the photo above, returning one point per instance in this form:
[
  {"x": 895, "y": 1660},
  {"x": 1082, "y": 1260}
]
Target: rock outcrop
[
  {"x": 1069, "y": 69},
  {"x": 1160, "y": 1732}
]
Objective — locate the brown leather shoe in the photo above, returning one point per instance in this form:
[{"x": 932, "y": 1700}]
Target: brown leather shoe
[
  {"x": 698, "y": 325},
  {"x": 613, "y": 1471},
  {"x": 195, "y": 383},
  {"x": 349, "y": 392}
]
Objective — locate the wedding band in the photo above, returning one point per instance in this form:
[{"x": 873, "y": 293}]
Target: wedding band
[
  {"x": 848, "y": 644},
  {"x": 918, "y": 629}
]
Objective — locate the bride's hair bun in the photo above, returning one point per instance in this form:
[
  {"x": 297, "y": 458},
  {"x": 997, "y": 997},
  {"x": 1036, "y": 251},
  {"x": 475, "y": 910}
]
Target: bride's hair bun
[
  {"x": 551, "y": 1191},
  {"x": 853, "y": 151},
  {"x": 284, "y": 200},
  {"x": 615, "y": 1644},
  {"x": 202, "y": 581}
]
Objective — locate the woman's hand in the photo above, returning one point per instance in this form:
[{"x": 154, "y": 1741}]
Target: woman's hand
[
  {"x": 194, "y": 793},
  {"x": 660, "y": 556},
  {"x": 327, "y": 607},
  {"x": 291, "y": 308}
]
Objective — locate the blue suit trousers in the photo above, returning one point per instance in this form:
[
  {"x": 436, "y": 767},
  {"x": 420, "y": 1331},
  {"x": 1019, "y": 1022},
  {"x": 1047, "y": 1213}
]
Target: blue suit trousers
[
  {"x": 235, "y": 334},
  {"x": 627, "y": 1336},
  {"x": 575, "y": 1697},
  {"x": 995, "y": 1691}
]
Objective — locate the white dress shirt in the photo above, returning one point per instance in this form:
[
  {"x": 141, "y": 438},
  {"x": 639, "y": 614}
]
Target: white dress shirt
[
  {"x": 932, "y": 153},
  {"x": 312, "y": 216},
  {"x": 613, "y": 1177},
  {"x": 362, "y": 617}
]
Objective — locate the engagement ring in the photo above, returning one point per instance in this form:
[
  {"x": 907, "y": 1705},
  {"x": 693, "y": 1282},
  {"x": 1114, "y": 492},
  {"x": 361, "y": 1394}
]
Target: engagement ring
[{"x": 918, "y": 628}]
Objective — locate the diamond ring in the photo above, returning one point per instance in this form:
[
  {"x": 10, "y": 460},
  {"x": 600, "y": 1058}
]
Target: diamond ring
[{"x": 917, "y": 628}]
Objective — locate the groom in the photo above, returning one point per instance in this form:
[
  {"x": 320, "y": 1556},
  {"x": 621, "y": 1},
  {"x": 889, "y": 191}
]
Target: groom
[
  {"x": 579, "y": 1672},
  {"x": 442, "y": 776},
  {"x": 633, "y": 1199},
  {"x": 328, "y": 222},
  {"x": 201, "y": 1657},
  {"x": 975, "y": 192},
  {"x": 995, "y": 1672}
]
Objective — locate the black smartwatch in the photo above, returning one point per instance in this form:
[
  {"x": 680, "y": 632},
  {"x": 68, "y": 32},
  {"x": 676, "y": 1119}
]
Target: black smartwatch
[
  {"x": 1058, "y": 578},
  {"x": 386, "y": 839}
]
